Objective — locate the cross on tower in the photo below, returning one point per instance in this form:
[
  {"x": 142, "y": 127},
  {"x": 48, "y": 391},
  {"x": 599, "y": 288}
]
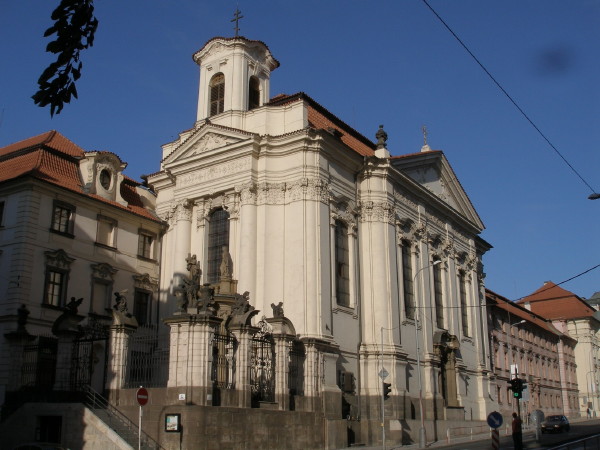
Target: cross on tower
[
  {"x": 424, "y": 128},
  {"x": 236, "y": 19}
]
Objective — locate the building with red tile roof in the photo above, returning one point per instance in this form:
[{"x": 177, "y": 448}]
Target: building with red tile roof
[
  {"x": 73, "y": 230},
  {"x": 544, "y": 357},
  {"x": 573, "y": 315}
]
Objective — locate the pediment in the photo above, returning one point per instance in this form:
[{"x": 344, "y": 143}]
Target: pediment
[
  {"x": 206, "y": 140},
  {"x": 433, "y": 171}
]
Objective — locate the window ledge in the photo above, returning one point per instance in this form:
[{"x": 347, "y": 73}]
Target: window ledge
[
  {"x": 62, "y": 233},
  {"x": 53, "y": 307},
  {"x": 345, "y": 310},
  {"x": 107, "y": 247}
]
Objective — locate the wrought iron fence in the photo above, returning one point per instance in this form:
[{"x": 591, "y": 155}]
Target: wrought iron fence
[
  {"x": 262, "y": 366},
  {"x": 39, "y": 363},
  {"x": 223, "y": 361},
  {"x": 148, "y": 358}
]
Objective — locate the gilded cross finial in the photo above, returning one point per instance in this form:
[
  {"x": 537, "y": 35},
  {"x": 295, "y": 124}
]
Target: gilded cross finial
[
  {"x": 236, "y": 18},
  {"x": 424, "y": 128}
]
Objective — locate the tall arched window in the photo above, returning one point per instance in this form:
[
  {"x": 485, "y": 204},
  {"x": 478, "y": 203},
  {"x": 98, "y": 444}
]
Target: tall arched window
[
  {"x": 407, "y": 281},
  {"x": 438, "y": 296},
  {"x": 342, "y": 264},
  {"x": 464, "y": 311},
  {"x": 217, "y": 94},
  {"x": 253, "y": 93},
  {"x": 218, "y": 237}
]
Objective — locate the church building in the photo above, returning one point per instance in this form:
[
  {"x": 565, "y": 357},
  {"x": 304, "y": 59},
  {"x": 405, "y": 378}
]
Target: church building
[{"x": 374, "y": 259}]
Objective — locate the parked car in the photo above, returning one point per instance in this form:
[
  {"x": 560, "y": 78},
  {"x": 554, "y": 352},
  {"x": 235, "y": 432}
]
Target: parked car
[{"x": 556, "y": 424}]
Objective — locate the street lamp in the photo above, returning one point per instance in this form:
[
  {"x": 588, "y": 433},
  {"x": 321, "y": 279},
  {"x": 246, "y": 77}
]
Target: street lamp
[{"x": 422, "y": 435}]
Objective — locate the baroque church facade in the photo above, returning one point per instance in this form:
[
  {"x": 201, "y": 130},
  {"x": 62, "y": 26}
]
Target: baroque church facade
[
  {"x": 283, "y": 271},
  {"x": 373, "y": 258}
]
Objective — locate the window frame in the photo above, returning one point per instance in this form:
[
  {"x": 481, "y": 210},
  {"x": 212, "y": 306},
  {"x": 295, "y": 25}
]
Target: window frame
[
  {"x": 147, "y": 305},
  {"x": 62, "y": 286},
  {"x": 408, "y": 288},
  {"x": 101, "y": 219},
  {"x": 218, "y": 237},
  {"x": 145, "y": 250},
  {"x": 438, "y": 295},
  {"x": 464, "y": 303},
  {"x": 216, "y": 89},
  {"x": 253, "y": 93},
  {"x": 342, "y": 263},
  {"x": 63, "y": 226}
]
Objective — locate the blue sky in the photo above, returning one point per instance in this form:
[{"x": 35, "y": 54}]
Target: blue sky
[{"x": 369, "y": 63}]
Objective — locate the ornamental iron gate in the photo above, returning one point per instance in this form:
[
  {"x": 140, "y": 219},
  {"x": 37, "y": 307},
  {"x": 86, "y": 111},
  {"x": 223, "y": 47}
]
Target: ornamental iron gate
[
  {"x": 262, "y": 366},
  {"x": 148, "y": 359},
  {"x": 89, "y": 358},
  {"x": 39, "y": 363}
]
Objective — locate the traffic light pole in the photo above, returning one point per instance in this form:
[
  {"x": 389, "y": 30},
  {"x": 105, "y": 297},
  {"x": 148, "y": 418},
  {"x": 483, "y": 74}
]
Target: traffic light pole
[{"x": 518, "y": 398}]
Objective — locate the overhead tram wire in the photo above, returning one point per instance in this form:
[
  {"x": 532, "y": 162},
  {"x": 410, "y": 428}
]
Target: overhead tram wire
[
  {"x": 594, "y": 195},
  {"x": 542, "y": 290}
]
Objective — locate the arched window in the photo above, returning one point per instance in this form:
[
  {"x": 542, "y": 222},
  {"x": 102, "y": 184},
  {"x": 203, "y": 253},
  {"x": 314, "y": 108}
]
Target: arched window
[
  {"x": 464, "y": 312},
  {"x": 218, "y": 237},
  {"x": 253, "y": 93},
  {"x": 217, "y": 94},
  {"x": 407, "y": 281},
  {"x": 438, "y": 296},
  {"x": 342, "y": 264}
]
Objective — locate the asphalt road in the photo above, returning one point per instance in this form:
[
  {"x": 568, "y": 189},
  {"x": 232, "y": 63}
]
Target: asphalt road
[{"x": 578, "y": 431}]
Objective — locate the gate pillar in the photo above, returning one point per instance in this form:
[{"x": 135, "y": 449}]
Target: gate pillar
[
  {"x": 190, "y": 356},
  {"x": 283, "y": 334},
  {"x": 243, "y": 334},
  {"x": 17, "y": 341},
  {"x": 118, "y": 351}
]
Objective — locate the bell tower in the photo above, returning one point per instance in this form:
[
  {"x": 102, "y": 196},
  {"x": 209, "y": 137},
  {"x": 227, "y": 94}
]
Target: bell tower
[{"x": 234, "y": 75}]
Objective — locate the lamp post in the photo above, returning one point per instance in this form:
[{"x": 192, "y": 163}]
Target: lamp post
[{"x": 422, "y": 434}]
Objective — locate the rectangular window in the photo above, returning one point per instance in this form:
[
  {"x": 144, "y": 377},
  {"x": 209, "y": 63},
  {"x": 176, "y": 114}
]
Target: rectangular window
[
  {"x": 141, "y": 306},
  {"x": 55, "y": 287},
  {"x": 48, "y": 429},
  {"x": 62, "y": 218},
  {"x": 342, "y": 264},
  {"x": 146, "y": 245},
  {"x": 437, "y": 292},
  {"x": 100, "y": 297},
  {"x": 407, "y": 281},
  {"x": 464, "y": 310},
  {"x": 106, "y": 231},
  {"x": 1, "y": 214}
]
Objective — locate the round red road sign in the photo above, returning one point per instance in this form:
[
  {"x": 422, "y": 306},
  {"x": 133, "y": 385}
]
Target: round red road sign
[{"x": 142, "y": 396}]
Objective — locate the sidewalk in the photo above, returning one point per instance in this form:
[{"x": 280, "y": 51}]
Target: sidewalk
[{"x": 528, "y": 438}]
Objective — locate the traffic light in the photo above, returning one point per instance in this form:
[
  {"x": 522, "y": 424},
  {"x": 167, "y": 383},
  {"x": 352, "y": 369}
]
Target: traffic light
[
  {"x": 517, "y": 386},
  {"x": 387, "y": 388}
]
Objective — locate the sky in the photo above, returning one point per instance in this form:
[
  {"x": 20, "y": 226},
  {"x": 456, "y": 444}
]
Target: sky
[{"x": 389, "y": 62}]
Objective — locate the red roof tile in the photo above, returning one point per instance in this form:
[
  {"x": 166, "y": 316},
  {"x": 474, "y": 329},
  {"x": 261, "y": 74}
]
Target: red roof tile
[
  {"x": 553, "y": 302},
  {"x": 519, "y": 312},
  {"x": 53, "y": 158},
  {"x": 321, "y": 119}
]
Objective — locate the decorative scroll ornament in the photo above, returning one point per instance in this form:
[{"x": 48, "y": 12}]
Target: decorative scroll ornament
[
  {"x": 58, "y": 259},
  {"x": 145, "y": 281},
  {"x": 103, "y": 271},
  {"x": 377, "y": 212}
]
